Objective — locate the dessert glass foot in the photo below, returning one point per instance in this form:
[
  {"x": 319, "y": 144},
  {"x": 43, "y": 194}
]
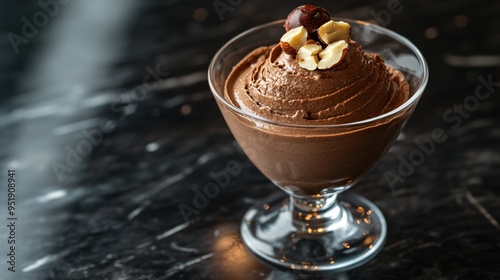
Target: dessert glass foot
[
  {"x": 318, "y": 227},
  {"x": 341, "y": 234}
]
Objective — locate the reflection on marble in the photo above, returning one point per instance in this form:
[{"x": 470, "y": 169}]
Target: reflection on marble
[{"x": 115, "y": 213}]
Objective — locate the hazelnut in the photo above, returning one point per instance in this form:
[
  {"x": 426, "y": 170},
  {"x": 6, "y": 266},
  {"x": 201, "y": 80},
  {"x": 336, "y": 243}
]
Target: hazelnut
[
  {"x": 307, "y": 56},
  {"x": 332, "y": 55},
  {"x": 309, "y": 16},
  {"x": 295, "y": 38},
  {"x": 333, "y": 31}
]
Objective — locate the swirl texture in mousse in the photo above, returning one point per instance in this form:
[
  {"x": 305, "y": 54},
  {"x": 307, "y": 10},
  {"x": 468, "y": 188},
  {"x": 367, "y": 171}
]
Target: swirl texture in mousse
[{"x": 271, "y": 84}]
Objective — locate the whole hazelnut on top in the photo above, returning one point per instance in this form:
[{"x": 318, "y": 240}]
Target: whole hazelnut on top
[{"x": 309, "y": 16}]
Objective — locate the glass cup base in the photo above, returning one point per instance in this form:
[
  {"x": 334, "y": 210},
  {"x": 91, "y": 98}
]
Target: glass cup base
[{"x": 270, "y": 231}]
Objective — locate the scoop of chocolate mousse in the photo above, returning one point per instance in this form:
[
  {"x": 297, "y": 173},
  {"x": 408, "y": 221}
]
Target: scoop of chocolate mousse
[
  {"x": 316, "y": 75},
  {"x": 272, "y": 84}
]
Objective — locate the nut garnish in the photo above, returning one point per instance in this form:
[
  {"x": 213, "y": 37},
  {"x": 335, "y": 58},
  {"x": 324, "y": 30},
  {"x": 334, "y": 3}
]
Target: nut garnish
[
  {"x": 292, "y": 40},
  {"x": 309, "y": 16},
  {"x": 332, "y": 55},
  {"x": 307, "y": 56},
  {"x": 309, "y": 29},
  {"x": 333, "y": 31}
]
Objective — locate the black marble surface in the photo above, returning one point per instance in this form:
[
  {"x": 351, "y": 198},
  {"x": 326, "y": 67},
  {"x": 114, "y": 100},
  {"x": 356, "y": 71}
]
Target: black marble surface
[{"x": 108, "y": 121}]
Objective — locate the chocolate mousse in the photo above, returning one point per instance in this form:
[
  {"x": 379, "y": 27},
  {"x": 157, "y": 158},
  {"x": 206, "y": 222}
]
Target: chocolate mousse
[
  {"x": 271, "y": 84},
  {"x": 315, "y": 77}
]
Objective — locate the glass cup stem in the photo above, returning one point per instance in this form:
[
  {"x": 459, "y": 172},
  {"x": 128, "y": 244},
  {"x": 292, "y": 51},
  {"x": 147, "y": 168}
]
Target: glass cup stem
[{"x": 316, "y": 214}]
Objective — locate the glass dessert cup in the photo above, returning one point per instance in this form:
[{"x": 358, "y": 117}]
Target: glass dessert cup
[{"x": 314, "y": 225}]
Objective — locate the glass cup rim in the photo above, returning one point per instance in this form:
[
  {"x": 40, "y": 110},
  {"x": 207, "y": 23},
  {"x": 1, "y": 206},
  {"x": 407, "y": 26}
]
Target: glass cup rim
[{"x": 414, "y": 98}]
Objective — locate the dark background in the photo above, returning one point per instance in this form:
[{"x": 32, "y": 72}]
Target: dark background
[{"x": 107, "y": 118}]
